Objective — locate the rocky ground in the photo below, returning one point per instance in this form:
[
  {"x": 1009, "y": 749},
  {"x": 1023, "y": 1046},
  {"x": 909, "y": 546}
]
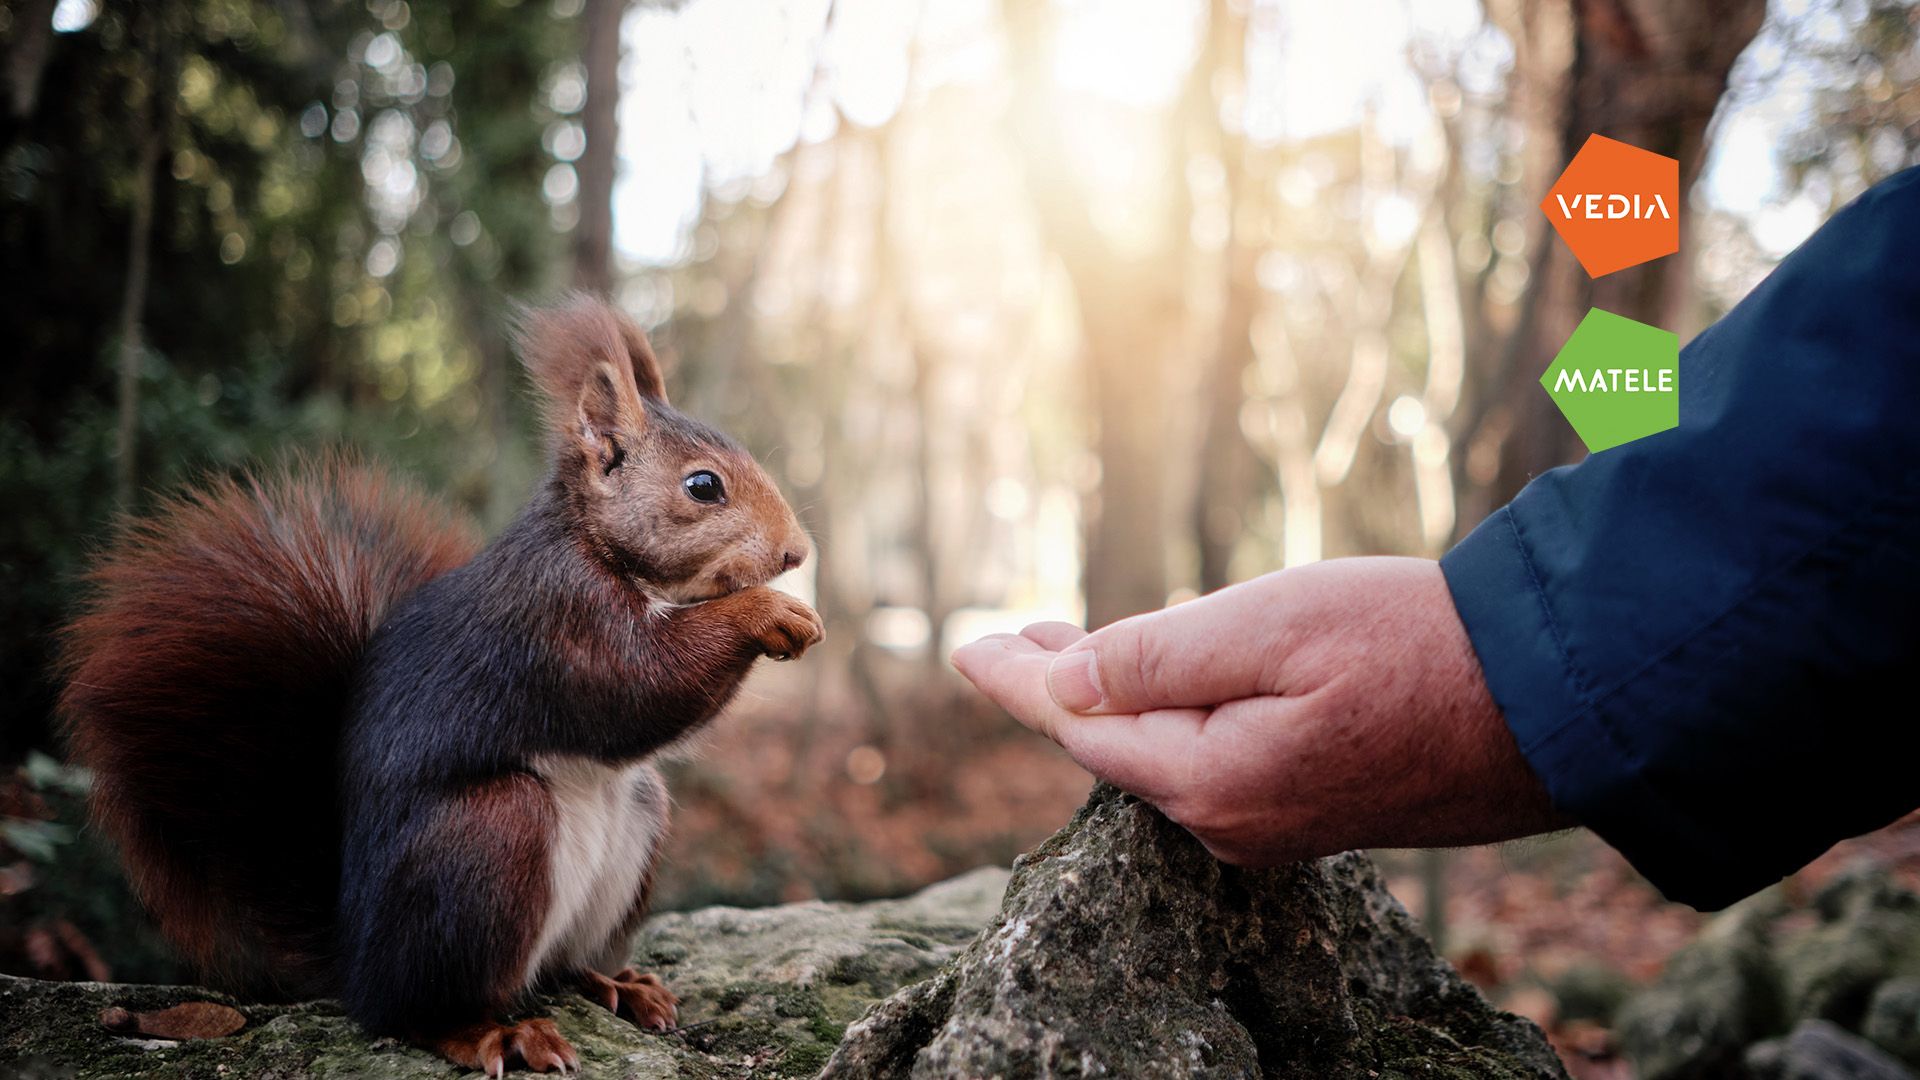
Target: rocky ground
[
  {"x": 1121, "y": 950},
  {"x": 1773, "y": 990}
]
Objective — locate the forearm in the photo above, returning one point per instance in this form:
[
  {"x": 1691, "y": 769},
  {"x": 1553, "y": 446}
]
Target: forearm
[
  {"x": 1682, "y": 628},
  {"x": 680, "y": 668}
]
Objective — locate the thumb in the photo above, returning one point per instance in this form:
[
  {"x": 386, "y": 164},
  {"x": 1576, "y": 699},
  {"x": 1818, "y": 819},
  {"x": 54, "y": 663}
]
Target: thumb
[{"x": 1201, "y": 653}]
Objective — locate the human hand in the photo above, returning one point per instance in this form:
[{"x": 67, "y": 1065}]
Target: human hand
[{"x": 1311, "y": 711}]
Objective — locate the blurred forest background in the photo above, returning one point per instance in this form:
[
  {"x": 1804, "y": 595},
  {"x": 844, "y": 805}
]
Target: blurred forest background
[{"x": 1037, "y": 308}]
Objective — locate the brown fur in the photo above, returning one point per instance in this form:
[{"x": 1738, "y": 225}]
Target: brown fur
[
  {"x": 490, "y": 1046},
  {"x": 563, "y": 345},
  {"x": 493, "y": 838},
  {"x": 620, "y": 456},
  {"x": 315, "y": 715},
  {"x": 185, "y": 630},
  {"x": 643, "y": 999}
]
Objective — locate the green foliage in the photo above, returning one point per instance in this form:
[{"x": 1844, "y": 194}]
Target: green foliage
[
  {"x": 60, "y": 492},
  {"x": 61, "y": 872},
  {"x": 348, "y": 196},
  {"x": 311, "y": 284}
]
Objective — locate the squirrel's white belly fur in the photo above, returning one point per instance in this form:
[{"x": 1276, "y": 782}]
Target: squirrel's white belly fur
[{"x": 607, "y": 821}]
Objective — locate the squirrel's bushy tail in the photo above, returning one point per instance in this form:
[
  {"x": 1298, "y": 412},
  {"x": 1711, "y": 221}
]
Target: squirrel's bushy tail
[{"x": 206, "y": 683}]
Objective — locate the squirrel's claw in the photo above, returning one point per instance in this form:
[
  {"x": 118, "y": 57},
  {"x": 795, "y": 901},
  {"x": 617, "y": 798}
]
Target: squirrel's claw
[{"x": 642, "y": 999}]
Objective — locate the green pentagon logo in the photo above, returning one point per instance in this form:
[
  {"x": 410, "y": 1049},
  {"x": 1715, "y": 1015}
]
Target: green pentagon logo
[{"x": 1616, "y": 380}]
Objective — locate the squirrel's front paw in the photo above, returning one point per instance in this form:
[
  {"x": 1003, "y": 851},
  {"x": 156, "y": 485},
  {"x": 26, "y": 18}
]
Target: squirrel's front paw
[{"x": 789, "y": 627}]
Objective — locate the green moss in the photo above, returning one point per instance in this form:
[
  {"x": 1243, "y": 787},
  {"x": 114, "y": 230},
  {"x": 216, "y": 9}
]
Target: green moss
[
  {"x": 853, "y": 970},
  {"x": 827, "y": 1031},
  {"x": 806, "y": 1059},
  {"x": 845, "y": 1004},
  {"x": 783, "y": 1000}
]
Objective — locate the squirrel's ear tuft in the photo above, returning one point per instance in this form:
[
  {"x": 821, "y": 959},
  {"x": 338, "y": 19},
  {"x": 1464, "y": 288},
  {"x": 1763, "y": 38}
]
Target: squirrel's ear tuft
[
  {"x": 608, "y": 413},
  {"x": 647, "y": 378},
  {"x": 584, "y": 350}
]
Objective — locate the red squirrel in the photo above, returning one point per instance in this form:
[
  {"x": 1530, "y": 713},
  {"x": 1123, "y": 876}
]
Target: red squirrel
[{"x": 344, "y": 750}]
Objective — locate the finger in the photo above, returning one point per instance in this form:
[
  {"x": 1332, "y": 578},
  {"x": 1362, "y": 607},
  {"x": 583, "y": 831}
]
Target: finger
[
  {"x": 1053, "y": 636},
  {"x": 1149, "y": 755},
  {"x": 1146, "y": 754},
  {"x": 1221, "y": 647},
  {"x": 1012, "y": 670}
]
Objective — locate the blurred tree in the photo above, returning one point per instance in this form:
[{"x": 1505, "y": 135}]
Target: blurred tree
[
  {"x": 1223, "y": 487},
  {"x": 1133, "y": 319},
  {"x": 297, "y": 174},
  {"x": 495, "y": 138},
  {"x": 30, "y": 38},
  {"x": 1865, "y": 120},
  {"x": 1646, "y": 72},
  {"x": 116, "y": 376},
  {"x": 600, "y": 121},
  {"x": 156, "y": 47}
]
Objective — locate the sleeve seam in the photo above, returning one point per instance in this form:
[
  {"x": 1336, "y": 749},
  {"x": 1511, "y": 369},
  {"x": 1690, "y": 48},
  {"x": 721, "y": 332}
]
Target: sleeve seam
[
  {"x": 1546, "y": 614},
  {"x": 1591, "y": 705}
]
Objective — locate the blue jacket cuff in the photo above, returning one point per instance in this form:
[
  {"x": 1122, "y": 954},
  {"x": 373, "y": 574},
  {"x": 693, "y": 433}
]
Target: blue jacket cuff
[{"x": 1589, "y": 773}]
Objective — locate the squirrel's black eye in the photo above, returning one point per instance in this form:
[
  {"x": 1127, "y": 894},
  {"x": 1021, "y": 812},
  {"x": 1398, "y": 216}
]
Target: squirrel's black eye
[{"x": 704, "y": 487}]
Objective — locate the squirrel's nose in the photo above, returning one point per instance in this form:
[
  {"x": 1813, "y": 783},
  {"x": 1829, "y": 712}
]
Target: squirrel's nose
[{"x": 793, "y": 558}]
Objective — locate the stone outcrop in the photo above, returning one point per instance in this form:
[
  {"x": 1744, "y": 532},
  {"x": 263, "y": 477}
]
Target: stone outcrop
[{"x": 1123, "y": 949}]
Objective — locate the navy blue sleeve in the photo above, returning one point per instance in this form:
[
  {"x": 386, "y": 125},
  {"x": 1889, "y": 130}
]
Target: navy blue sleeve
[{"x": 1707, "y": 641}]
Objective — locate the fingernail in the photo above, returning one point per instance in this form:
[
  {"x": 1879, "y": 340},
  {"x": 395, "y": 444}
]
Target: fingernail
[
  {"x": 959, "y": 657},
  {"x": 1074, "y": 681}
]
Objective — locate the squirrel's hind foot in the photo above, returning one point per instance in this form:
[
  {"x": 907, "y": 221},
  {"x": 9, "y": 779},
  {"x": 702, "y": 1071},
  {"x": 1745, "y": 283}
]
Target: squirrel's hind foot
[
  {"x": 643, "y": 999},
  {"x": 491, "y": 1046}
]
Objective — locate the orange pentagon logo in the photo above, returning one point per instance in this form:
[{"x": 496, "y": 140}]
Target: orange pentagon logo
[{"x": 1616, "y": 205}]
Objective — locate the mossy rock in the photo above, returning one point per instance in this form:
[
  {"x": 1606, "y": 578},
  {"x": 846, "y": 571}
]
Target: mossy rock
[
  {"x": 1752, "y": 976},
  {"x": 1716, "y": 997},
  {"x": 1121, "y": 949},
  {"x": 765, "y": 993},
  {"x": 1591, "y": 992},
  {"x": 1893, "y": 1018},
  {"x": 1869, "y": 932}
]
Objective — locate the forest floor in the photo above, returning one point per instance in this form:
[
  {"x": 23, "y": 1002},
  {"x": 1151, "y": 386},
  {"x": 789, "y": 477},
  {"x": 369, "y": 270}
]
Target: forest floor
[
  {"x": 1557, "y": 928},
  {"x": 804, "y": 791}
]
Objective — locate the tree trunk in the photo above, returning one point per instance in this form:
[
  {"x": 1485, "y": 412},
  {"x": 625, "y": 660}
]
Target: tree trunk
[
  {"x": 1128, "y": 329},
  {"x": 1645, "y": 72},
  {"x": 1222, "y": 490},
  {"x": 133, "y": 297},
  {"x": 593, "y": 235},
  {"x": 1132, "y": 322},
  {"x": 1227, "y": 465},
  {"x": 27, "y": 55}
]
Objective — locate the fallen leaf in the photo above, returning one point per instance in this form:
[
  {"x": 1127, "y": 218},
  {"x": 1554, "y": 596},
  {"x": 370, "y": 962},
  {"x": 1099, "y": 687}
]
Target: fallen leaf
[{"x": 193, "y": 1020}]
